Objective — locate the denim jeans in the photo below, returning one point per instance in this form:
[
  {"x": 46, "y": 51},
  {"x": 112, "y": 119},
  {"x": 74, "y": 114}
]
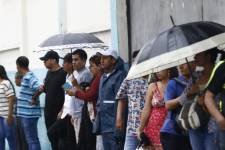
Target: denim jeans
[
  {"x": 21, "y": 143},
  {"x": 220, "y": 136},
  {"x": 30, "y": 130},
  {"x": 109, "y": 141},
  {"x": 201, "y": 139},
  {"x": 7, "y": 132},
  {"x": 131, "y": 142}
]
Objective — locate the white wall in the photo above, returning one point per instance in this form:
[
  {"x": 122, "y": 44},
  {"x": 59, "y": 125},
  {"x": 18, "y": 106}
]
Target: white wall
[
  {"x": 40, "y": 19},
  {"x": 9, "y": 26},
  {"x": 88, "y": 15}
]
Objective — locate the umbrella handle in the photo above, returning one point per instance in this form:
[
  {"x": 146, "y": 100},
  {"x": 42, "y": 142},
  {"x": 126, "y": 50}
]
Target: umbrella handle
[{"x": 191, "y": 72}]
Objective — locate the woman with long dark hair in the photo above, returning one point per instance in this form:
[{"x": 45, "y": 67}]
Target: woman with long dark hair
[{"x": 7, "y": 98}]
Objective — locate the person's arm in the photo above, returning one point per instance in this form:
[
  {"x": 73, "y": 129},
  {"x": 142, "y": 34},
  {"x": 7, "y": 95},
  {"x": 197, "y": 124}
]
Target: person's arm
[
  {"x": 147, "y": 108},
  {"x": 212, "y": 108},
  {"x": 35, "y": 85},
  {"x": 91, "y": 93},
  {"x": 10, "y": 113},
  {"x": 76, "y": 85},
  {"x": 172, "y": 103},
  {"x": 11, "y": 100},
  {"x": 215, "y": 86},
  {"x": 171, "y": 99},
  {"x": 35, "y": 96},
  {"x": 120, "y": 111},
  {"x": 121, "y": 96}
]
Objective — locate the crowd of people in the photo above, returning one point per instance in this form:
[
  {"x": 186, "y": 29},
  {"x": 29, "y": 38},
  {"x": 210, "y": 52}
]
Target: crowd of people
[{"x": 99, "y": 108}]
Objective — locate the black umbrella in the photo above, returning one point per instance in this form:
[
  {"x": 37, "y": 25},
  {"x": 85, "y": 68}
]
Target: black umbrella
[
  {"x": 71, "y": 41},
  {"x": 173, "y": 46}
]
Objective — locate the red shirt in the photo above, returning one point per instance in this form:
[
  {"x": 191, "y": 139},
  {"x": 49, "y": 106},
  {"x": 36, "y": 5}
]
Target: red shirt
[{"x": 91, "y": 94}]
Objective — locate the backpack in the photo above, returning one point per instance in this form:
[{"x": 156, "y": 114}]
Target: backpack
[{"x": 191, "y": 115}]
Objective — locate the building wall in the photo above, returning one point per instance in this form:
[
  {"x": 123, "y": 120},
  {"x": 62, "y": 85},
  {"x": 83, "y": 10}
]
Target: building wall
[
  {"x": 26, "y": 23},
  {"x": 150, "y": 17},
  {"x": 9, "y": 26}
]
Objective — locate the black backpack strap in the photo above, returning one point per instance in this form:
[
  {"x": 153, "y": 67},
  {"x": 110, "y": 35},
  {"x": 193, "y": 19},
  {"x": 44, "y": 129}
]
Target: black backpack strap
[{"x": 183, "y": 83}]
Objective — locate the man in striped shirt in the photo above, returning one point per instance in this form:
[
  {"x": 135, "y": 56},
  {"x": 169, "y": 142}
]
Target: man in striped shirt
[{"x": 28, "y": 109}]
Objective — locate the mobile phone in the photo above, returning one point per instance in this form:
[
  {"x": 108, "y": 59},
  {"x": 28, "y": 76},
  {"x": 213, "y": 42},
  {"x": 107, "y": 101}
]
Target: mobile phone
[{"x": 67, "y": 86}]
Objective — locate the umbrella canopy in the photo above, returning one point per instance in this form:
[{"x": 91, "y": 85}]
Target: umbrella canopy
[
  {"x": 71, "y": 41},
  {"x": 173, "y": 46}
]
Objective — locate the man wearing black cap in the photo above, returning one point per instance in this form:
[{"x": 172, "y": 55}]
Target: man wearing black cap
[{"x": 54, "y": 98}]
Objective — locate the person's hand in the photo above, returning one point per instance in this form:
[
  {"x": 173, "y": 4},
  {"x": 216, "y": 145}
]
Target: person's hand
[
  {"x": 33, "y": 102},
  {"x": 70, "y": 92},
  {"x": 119, "y": 123},
  {"x": 194, "y": 89},
  {"x": 221, "y": 122},
  {"x": 10, "y": 119},
  {"x": 139, "y": 131},
  {"x": 183, "y": 98},
  {"x": 41, "y": 88},
  {"x": 74, "y": 82},
  {"x": 59, "y": 115}
]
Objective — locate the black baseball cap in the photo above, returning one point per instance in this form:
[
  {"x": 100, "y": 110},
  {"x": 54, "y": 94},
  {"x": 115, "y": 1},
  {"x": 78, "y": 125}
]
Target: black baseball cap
[{"x": 50, "y": 55}]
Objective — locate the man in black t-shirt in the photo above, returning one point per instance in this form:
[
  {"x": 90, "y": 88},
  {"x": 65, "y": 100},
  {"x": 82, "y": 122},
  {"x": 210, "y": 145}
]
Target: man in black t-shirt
[
  {"x": 54, "y": 98},
  {"x": 216, "y": 86}
]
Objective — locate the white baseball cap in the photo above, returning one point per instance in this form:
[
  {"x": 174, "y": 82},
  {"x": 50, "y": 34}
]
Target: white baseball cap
[{"x": 109, "y": 52}]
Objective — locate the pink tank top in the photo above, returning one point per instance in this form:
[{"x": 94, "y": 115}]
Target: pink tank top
[{"x": 157, "y": 100}]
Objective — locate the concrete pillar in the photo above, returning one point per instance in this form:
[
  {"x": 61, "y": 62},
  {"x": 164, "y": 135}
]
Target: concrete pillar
[
  {"x": 119, "y": 27},
  {"x": 62, "y": 16},
  {"x": 24, "y": 28}
]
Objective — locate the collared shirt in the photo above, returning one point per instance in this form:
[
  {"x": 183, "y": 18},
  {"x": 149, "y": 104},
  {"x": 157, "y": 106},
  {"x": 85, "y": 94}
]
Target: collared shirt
[
  {"x": 5, "y": 92},
  {"x": 135, "y": 92},
  {"x": 29, "y": 85},
  {"x": 83, "y": 75}
]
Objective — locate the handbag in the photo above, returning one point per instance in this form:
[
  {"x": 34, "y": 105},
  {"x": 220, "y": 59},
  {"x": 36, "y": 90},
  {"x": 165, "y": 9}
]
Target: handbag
[
  {"x": 144, "y": 141},
  {"x": 192, "y": 115}
]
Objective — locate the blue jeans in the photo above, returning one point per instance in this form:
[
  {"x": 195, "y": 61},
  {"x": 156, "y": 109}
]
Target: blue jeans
[
  {"x": 202, "y": 140},
  {"x": 30, "y": 130},
  {"x": 109, "y": 141},
  {"x": 114, "y": 140},
  {"x": 131, "y": 142},
  {"x": 220, "y": 136},
  {"x": 7, "y": 132}
]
